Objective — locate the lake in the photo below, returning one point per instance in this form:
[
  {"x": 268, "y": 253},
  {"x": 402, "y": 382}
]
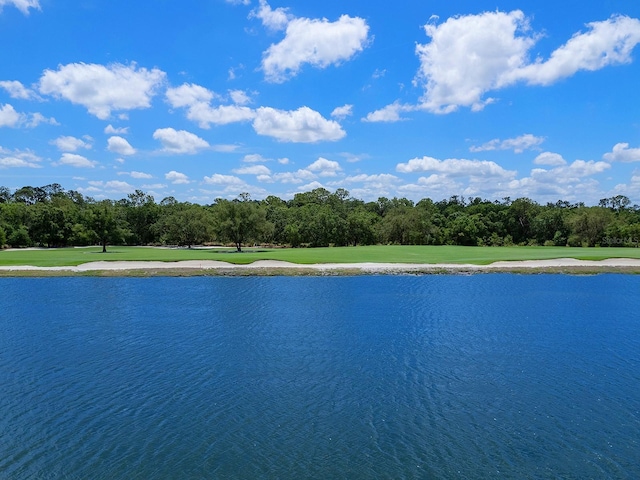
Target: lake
[{"x": 441, "y": 376}]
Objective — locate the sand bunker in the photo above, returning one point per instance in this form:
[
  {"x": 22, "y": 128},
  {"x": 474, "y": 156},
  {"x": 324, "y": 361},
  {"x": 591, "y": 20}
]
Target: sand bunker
[{"x": 325, "y": 267}]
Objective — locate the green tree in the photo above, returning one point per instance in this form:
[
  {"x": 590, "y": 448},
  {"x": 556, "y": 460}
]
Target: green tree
[
  {"x": 588, "y": 225},
  {"x": 277, "y": 212},
  {"x": 550, "y": 225},
  {"x": 186, "y": 225},
  {"x": 104, "y": 221},
  {"x": 520, "y": 215},
  {"x": 361, "y": 226},
  {"x": 241, "y": 220},
  {"x": 141, "y": 213}
]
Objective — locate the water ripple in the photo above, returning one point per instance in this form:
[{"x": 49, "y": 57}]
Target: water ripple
[{"x": 352, "y": 377}]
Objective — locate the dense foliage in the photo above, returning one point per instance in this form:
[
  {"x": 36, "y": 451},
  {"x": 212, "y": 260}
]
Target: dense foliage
[{"x": 53, "y": 217}]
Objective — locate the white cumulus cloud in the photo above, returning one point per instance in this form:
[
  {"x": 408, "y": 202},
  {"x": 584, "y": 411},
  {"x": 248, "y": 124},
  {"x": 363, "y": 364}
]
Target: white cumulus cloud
[
  {"x": 179, "y": 141},
  {"x": 272, "y": 19},
  {"x": 75, "y": 160},
  {"x": 138, "y": 175},
  {"x": 517, "y": 144},
  {"x": 254, "y": 158},
  {"x": 9, "y": 117},
  {"x": 35, "y": 119},
  {"x": 325, "y": 168},
  {"x": 605, "y": 43},
  {"x": 342, "y": 112},
  {"x": 120, "y": 145},
  {"x": 176, "y": 178},
  {"x": 550, "y": 158},
  {"x": 70, "y": 144},
  {"x": 219, "y": 179},
  {"x": 317, "y": 42},
  {"x": 111, "y": 130},
  {"x": 103, "y": 89},
  {"x": 252, "y": 170},
  {"x": 22, "y": 5},
  {"x": 197, "y": 100},
  {"x": 111, "y": 186},
  {"x": 18, "y": 90},
  {"x": 622, "y": 153},
  {"x": 455, "y": 167},
  {"x": 303, "y": 125},
  {"x": 18, "y": 159},
  {"x": 471, "y": 55},
  {"x": 390, "y": 113}
]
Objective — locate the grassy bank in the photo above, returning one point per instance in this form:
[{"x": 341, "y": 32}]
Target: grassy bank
[{"x": 306, "y": 256}]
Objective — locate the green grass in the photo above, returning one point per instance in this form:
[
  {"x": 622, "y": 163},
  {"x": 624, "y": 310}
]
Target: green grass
[{"x": 376, "y": 254}]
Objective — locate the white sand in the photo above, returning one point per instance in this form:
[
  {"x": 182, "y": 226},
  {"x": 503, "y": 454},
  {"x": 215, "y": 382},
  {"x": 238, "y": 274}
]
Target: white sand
[{"x": 323, "y": 267}]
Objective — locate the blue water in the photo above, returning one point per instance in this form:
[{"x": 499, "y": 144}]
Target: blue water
[{"x": 456, "y": 377}]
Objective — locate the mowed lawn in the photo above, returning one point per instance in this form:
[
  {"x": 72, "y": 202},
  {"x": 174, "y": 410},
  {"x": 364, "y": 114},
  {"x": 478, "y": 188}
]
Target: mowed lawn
[{"x": 376, "y": 254}]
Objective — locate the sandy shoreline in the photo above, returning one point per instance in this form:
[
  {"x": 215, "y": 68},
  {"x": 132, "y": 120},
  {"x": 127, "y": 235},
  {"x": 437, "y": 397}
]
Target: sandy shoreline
[{"x": 258, "y": 267}]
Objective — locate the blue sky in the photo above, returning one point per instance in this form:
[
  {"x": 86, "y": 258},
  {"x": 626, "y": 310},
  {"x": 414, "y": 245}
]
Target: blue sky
[{"x": 201, "y": 99}]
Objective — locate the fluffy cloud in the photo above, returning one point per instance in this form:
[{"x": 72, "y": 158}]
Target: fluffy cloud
[
  {"x": 320, "y": 168},
  {"x": 468, "y": 55},
  {"x": 372, "y": 186},
  {"x": 35, "y": 119},
  {"x": 138, "y": 175},
  {"x": 254, "y": 158},
  {"x": 609, "y": 42},
  {"x": 622, "y": 153},
  {"x": 18, "y": 159},
  {"x": 176, "y": 178},
  {"x": 300, "y": 126},
  {"x": 455, "y": 167},
  {"x": 566, "y": 181},
  {"x": 17, "y": 90},
  {"x": 550, "y": 158},
  {"x": 120, "y": 145},
  {"x": 22, "y": 5},
  {"x": 9, "y": 117},
  {"x": 381, "y": 179},
  {"x": 299, "y": 176},
  {"x": 70, "y": 144},
  {"x": 325, "y": 168},
  {"x": 189, "y": 94},
  {"x": 197, "y": 100},
  {"x": 112, "y": 186},
  {"x": 179, "y": 141},
  {"x": 471, "y": 55},
  {"x": 111, "y": 130},
  {"x": 103, "y": 89},
  {"x": 224, "y": 180},
  {"x": 342, "y": 112},
  {"x": 74, "y": 160},
  {"x": 252, "y": 170},
  {"x": 316, "y": 42},
  {"x": 272, "y": 19},
  {"x": 390, "y": 113},
  {"x": 239, "y": 97},
  {"x": 518, "y": 144}
]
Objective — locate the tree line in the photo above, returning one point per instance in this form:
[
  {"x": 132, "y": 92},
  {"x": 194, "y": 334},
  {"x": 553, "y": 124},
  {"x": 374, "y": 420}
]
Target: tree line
[{"x": 50, "y": 216}]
